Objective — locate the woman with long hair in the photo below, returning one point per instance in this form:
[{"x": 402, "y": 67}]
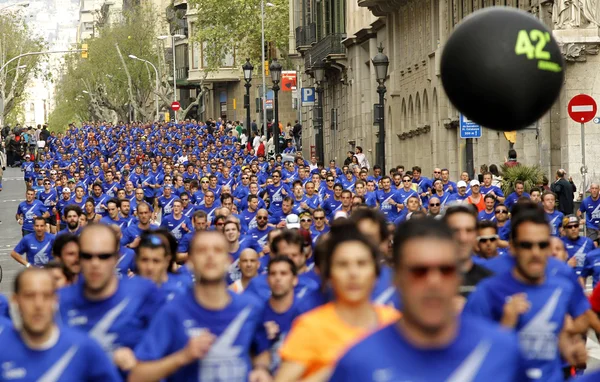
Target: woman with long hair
[
  {"x": 90, "y": 212},
  {"x": 349, "y": 266}
]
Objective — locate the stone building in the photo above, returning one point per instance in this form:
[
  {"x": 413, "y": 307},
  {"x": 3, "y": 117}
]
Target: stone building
[{"x": 421, "y": 124}]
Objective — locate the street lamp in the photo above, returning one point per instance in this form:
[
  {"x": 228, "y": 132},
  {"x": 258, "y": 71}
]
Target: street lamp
[
  {"x": 157, "y": 82},
  {"x": 319, "y": 74},
  {"x": 381, "y": 63},
  {"x": 173, "y": 38},
  {"x": 275, "y": 70},
  {"x": 247, "y": 68},
  {"x": 262, "y": 53}
]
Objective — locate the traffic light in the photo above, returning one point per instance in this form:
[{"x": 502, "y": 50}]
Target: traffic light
[
  {"x": 266, "y": 65},
  {"x": 84, "y": 51}
]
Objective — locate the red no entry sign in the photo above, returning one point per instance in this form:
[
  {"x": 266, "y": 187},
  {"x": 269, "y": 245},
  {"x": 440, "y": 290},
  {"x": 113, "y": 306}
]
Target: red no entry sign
[
  {"x": 175, "y": 106},
  {"x": 582, "y": 108}
]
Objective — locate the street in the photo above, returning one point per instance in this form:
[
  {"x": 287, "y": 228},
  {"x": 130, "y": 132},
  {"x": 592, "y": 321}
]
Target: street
[{"x": 12, "y": 194}]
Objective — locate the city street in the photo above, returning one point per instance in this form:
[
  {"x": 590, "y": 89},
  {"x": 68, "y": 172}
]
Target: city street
[{"x": 12, "y": 194}]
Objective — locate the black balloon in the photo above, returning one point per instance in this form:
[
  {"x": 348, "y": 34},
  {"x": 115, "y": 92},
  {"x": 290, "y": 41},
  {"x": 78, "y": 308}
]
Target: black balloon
[{"x": 502, "y": 68}]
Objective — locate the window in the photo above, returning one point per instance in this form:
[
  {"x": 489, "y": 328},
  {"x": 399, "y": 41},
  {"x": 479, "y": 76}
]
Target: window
[
  {"x": 227, "y": 62},
  {"x": 195, "y": 50}
]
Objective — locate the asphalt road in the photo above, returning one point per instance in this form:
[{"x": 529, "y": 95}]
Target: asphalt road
[{"x": 13, "y": 192}]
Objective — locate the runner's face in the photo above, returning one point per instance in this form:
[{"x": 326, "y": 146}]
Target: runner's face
[
  {"x": 152, "y": 263},
  {"x": 427, "y": 280},
  {"x": 527, "y": 248},
  {"x": 281, "y": 280},
  {"x": 39, "y": 227},
  {"x": 97, "y": 272},
  {"x": 210, "y": 258},
  {"x": 353, "y": 272},
  {"x": 36, "y": 302},
  {"x": 70, "y": 257},
  {"x": 464, "y": 227}
]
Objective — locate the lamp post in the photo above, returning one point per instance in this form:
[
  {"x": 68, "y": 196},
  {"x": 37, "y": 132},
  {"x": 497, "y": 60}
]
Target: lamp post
[
  {"x": 275, "y": 70},
  {"x": 264, "y": 82},
  {"x": 173, "y": 38},
  {"x": 156, "y": 84},
  {"x": 247, "y": 68},
  {"x": 319, "y": 74},
  {"x": 381, "y": 63}
]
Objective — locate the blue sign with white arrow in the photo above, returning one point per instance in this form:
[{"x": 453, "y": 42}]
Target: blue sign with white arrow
[{"x": 468, "y": 128}]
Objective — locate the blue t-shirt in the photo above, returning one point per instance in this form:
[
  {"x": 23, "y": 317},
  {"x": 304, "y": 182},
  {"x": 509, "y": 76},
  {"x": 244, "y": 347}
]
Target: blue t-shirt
[
  {"x": 276, "y": 195},
  {"x": 37, "y": 252},
  {"x": 175, "y": 227},
  {"x": 579, "y": 249},
  {"x": 74, "y": 357},
  {"x": 29, "y": 212},
  {"x": 555, "y": 221},
  {"x": 538, "y": 328},
  {"x": 390, "y": 211},
  {"x": 591, "y": 209},
  {"x": 259, "y": 236},
  {"x": 259, "y": 286},
  {"x": 483, "y": 215},
  {"x": 284, "y": 322},
  {"x": 591, "y": 266},
  {"x": 480, "y": 352},
  {"x": 511, "y": 199},
  {"x": 4, "y": 307},
  {"x": 236, "y": 328},
  {"x": 120, "y": 320}
]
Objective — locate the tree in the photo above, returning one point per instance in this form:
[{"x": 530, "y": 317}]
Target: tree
[
  {"x": 16, "y": 39},
  {"x": 108, "y": 84},
  {"x": 235, "y": 26}
]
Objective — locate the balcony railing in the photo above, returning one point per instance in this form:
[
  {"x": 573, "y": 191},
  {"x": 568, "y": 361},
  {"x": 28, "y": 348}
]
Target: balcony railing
[
  {"x": 328, "y": 45},
  {"x": 182, "y": 73},
  {"x": 306, "y": 36}
]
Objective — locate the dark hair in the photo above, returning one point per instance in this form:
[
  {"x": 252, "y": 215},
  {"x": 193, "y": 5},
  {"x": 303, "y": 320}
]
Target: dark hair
[
  {"x": 55, "y": 264},
  {"x": 483, "y": 224},
  {"x": 494, "y": 170},
  {"x": 226, "y": 196},
  {"x": 72, "y": 207},
  {"x": 342, "y": 231},
  {"x": 61, "y": 241},
  {"x": 289, "y": 236},
  {"x": 38, "y": 218},
  {"x": 115, "y": 201},
  {"x": 526, "y": 213},
  {"x": 420, "y": 229},
  {"x": 283, "y": 259},
  {"x": 489, "y": 196},
  {"x": 373, "y": 215},
  {"x": 468, "y": 209},
  {"x": 546, "y": 193},
  {"x": 534, "y": 189},
  {"x": 512, "y": 154},
  {"x": 199, "y": 215}
]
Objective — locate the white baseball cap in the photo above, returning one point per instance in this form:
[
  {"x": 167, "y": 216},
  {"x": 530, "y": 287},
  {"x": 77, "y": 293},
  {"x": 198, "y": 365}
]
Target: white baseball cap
[
  {"x": 292, "y": 221},
  {"x": 461, "y": 183},
  {"x": 66, "y": 189},
  {"x": 475, "y": 182}
]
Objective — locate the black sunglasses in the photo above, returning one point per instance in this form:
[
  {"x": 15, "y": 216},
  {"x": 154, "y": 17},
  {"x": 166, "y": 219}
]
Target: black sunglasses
[
  {"x": 501, "y": 211},
  {"x": 421, "y": 271},
  {"x": 531, "y": 244},
  {"x": 89, "y": 256},
  {"x": 434, "y": 204}
]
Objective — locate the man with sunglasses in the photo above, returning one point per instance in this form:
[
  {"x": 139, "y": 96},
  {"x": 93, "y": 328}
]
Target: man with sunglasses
[
  {"x": 577, "y": 246},
  {"x": 259, "y": 234},
  {"x": 487, "y": 239},
  {"x": 320, "y": 226},
  {"x": 427, "y": 278},
  {"x": 532, "y": 302},
  {"x": 115, "y": 312}
]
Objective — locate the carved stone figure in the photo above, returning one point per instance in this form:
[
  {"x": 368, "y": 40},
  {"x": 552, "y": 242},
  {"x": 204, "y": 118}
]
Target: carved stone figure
[{"x": 569, "y": 14}]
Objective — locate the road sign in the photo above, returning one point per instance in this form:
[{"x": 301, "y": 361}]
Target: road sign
[
  {"x": 468, "y": 128},
  {"x": 582, "y": 108},
  {"x": 175, "y": 105},
  {"x": 288, "y": 80},
  {"x": 597, "y": 120},
  {"x": 308, "y": 96}
]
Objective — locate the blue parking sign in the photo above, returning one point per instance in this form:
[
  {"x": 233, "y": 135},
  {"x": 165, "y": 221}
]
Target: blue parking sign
[
  {"x": 308, "y": 96},
  {"x": 468, "y": 128}
]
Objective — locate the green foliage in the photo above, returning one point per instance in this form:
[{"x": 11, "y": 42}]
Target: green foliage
[
  {"x": 104, "y": 74},
  {"x": 530, "y": 175},
  {"x": 235, "y": 25},
  {"x": 16, "y": 38}
]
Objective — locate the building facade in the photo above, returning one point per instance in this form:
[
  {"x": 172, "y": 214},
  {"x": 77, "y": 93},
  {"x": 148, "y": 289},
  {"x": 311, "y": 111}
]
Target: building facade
[{"x": 421, "y": 124}]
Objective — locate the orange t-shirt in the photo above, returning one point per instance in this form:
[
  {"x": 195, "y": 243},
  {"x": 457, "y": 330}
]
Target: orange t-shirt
[
  {"x": 480, "y": 206},
  {"x": 318, "y": 338}
]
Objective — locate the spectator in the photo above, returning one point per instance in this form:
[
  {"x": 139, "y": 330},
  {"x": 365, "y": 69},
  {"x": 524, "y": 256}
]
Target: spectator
[{"x": 564, "y": 190}]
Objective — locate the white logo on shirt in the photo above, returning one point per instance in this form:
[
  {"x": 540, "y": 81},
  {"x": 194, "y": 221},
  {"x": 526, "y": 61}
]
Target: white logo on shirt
[
  {"x": 537, "y": 338},
  {"x": 41, "y": 257},
  {"x": 54, "y": 373},
  {"x": 224, "y": 362},
  {"x": 100, "y": 331},
  {"x": 467, "y": 371}
]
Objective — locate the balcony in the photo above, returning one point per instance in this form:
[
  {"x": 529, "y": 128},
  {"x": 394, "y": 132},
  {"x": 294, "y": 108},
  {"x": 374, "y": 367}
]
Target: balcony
[
  {"x": 182, "y": 73},
  {"x": 381, "y": 7},
  {"x": 306, "y": 35},
  {"x": 330, "y": 47}
]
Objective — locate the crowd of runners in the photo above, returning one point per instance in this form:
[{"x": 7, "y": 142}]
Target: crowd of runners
[{"x": 176, "y": 252}]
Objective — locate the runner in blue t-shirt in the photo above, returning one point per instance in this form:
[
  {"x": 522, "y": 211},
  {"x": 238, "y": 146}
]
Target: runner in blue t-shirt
[
  {"x": 28, "y": 210},
  {"x": 37, "y": 246},
  {"x": 42, "y": 350}
]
